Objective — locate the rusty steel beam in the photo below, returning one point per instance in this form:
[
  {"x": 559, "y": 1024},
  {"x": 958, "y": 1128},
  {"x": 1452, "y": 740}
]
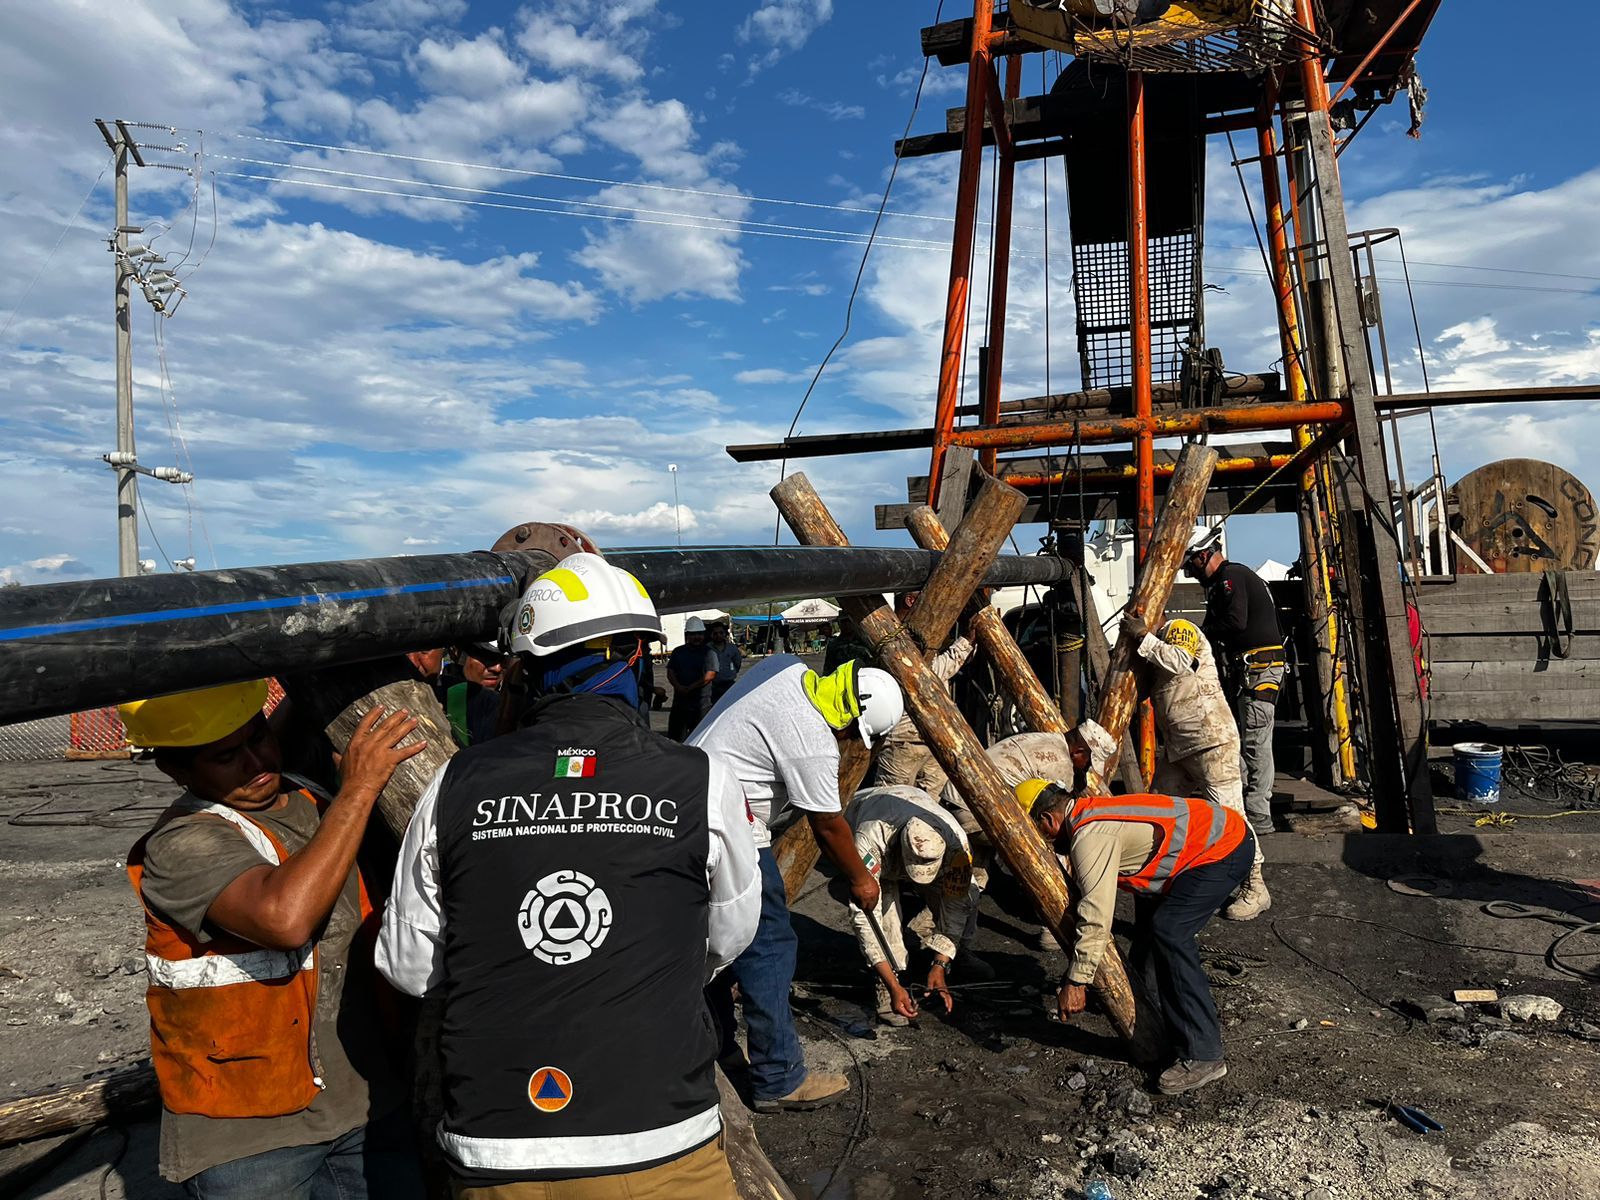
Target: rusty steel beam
[
  {"x": 1231, "y": 419},
  {"x": 958, "y": 295},
  {"x": 1161, "y": 470}
]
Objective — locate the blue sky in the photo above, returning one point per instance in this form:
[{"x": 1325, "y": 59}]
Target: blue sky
[{"x": 364, "y": 374}]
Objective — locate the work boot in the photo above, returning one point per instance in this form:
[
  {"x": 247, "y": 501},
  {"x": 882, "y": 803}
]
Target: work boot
[
  {"x": 1251, "y": 900},
  {"x": 818, "y": 1090},
  {"x": 886, "y": 1012},
  {"x": 1048, "y": 942},
  {"x": 1187, "y": 1074}
]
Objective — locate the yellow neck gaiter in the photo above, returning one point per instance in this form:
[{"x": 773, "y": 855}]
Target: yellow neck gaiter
[{"x": 834, "y": 696}]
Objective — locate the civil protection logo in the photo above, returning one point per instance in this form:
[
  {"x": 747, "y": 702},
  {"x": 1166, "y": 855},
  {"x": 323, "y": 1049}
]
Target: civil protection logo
[
  {"x": 564, "y": 918},
  {"x": 550, "y": 1089}
]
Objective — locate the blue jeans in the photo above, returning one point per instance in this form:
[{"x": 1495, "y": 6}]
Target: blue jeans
[
  {"x": 1166, "y": 953},
  {"x": 377, "y": 1160},
  {"x": 764, "y": 972}
]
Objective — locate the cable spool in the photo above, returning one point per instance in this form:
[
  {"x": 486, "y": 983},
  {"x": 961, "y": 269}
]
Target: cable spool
[{"x": 1520, "y": 515}]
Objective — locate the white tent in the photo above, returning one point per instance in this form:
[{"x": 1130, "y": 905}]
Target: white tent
[
  {"x": 1273, "y": 571},
  {"x": 810, "y": 612}
]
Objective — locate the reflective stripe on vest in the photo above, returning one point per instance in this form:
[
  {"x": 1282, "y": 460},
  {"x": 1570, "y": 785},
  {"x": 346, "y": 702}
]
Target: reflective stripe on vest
[
  {"x": 216, "y": 969},
  {"x": 582, "y": 1153},
  {"x": 1181, "y": 842},
  {"x": 221, "y": 970}
]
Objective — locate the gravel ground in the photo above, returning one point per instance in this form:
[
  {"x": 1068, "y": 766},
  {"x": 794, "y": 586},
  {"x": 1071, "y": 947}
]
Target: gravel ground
[{"x": 995, "y": 1099}]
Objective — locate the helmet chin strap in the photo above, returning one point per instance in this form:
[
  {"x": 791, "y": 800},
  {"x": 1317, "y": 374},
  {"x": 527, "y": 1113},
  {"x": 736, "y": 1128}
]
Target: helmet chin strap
[{"x": 584, "y": 679}]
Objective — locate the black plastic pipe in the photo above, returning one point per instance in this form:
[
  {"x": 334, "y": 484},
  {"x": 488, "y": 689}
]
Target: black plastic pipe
[{"x": 65, "y": 647}]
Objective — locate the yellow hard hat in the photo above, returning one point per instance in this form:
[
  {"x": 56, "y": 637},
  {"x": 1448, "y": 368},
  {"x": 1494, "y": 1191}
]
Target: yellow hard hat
[
  {"x": 1029, "y": 790},
  {"x": 1185, "y": 635},
  {"x": 193, "y": 718}
]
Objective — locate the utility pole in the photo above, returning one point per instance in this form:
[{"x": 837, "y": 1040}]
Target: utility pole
[
  {"x": 125, "y": 459},
  {"x": 677, "y": 510}
]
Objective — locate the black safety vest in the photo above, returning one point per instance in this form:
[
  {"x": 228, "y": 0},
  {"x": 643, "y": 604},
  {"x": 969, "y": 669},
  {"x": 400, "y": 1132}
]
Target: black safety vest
[{"x": 572, "y": 860}]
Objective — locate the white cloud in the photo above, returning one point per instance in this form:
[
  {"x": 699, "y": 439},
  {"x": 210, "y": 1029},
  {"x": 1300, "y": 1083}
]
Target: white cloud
[
  {"x": 834, "y": 110},
  {"x": 51, "y": 568},
  {"x": 561, "y": 47},
  {"x": 477, "y": 69},
  {"x": 763, "y": 375},
  {"x": 781, "y": 27},
  {"x": 658, "y": 518}
]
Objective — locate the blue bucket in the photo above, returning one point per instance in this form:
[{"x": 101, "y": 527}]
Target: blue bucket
[{"x": 1478, "y": 773}]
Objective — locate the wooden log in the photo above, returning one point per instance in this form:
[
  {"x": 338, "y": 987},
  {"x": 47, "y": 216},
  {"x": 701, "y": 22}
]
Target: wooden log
[
  {"x": 958, "y": 751},
  {"x": 978, "y": 539},
  {"x": 336, "y": 699},
  {"x": 1185, "y": 495},
  {"x": 1094, "y": 641},
  {"x": 121, "y": 1095},
  {"x": 989, "y": 628}
]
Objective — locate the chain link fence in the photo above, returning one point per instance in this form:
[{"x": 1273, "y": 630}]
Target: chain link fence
[{"x": 96, "y": 733}]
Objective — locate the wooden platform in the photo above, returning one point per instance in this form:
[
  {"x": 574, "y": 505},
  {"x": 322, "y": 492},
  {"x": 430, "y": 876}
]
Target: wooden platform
[{"x": 1492, "y": 655}]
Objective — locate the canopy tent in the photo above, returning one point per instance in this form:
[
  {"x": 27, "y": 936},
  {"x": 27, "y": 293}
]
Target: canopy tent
[{"x": 810, "y": 612}]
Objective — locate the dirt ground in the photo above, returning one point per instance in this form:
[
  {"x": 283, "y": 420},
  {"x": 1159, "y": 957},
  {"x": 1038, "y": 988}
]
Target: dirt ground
[{"x": 996, "y": 1099}]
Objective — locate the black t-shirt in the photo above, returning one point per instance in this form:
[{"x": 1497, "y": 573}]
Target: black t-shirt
[{"x": 1240, "y": 615}]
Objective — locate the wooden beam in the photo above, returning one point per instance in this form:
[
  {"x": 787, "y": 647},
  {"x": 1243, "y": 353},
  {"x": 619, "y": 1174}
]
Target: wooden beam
[
  {"x": 989, "y": 630},
  {"x": 1167, "y": 544},
  {"x": 121, "y": 1095},
  {"x": 1395, "y": 711},
  {"x": 1094, "y": 640},
  {"x": 950, "y": 587},
  {"x": 961, "y": 755}
]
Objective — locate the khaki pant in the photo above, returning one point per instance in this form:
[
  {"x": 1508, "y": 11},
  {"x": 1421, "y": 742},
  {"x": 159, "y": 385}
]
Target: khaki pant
[
  {"x": 1208, "y": 774},
  {"x": 910, "y": 764},
  {"x": 701, "y": 1174}
]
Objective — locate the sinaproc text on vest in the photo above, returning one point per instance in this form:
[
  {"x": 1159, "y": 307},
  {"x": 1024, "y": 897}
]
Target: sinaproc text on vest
[{"x": 541, "y": 814}]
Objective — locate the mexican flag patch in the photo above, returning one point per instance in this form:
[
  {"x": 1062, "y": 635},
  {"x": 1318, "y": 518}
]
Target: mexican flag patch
[{"x": 575, "y": 766}]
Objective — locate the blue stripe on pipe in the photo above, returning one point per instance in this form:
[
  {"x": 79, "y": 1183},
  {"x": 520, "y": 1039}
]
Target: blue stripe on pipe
[{"x": 23, "y": 632}]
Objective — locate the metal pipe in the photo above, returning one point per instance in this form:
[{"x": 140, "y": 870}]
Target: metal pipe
[
  {"x": 1004, "y": 190},
  {"x": 1144, "y": 446},
  {"x": 1121, "y": 474},
  {"x": 1139, "y": 307},
  {"x": 1252, "y": 418},
  {"x": 72, "y": 646},
  {"x": 959, "y": 292}
]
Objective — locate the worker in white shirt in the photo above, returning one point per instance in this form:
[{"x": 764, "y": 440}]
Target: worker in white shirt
[
  {"x": 1199, "y": 738},
  {"x": 905, "y": 759},
  {"x": 906, "y": 839},
  {"x": 779, "y": 732}
]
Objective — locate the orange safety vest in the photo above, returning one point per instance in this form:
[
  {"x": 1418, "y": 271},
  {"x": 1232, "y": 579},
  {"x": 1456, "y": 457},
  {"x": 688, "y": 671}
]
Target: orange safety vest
[
  {"x": 231, "y": 1022},
  {"x": 1189, "y": 833}
]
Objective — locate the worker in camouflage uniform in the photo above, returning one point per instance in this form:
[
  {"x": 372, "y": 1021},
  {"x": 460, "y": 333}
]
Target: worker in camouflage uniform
[{"x": 1199, "y": 740}]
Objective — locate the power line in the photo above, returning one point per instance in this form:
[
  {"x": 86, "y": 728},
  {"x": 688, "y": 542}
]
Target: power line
[
  {"x": 61, "y": 237},
  {"x": 846, "y": 237},
  {"x": 711, "y": 193},
  {"x": 478, "y": 191},
  {"x": 591, "y": 179},
  {"x": 730, "y": 225}
]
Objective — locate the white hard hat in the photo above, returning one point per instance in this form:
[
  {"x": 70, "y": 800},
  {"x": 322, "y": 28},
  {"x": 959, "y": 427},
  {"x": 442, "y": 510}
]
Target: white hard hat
[
  {"x": 582, "y": 598},
  {"x": 694, "y": 625},
  {"x": 882, "y": 705}
]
